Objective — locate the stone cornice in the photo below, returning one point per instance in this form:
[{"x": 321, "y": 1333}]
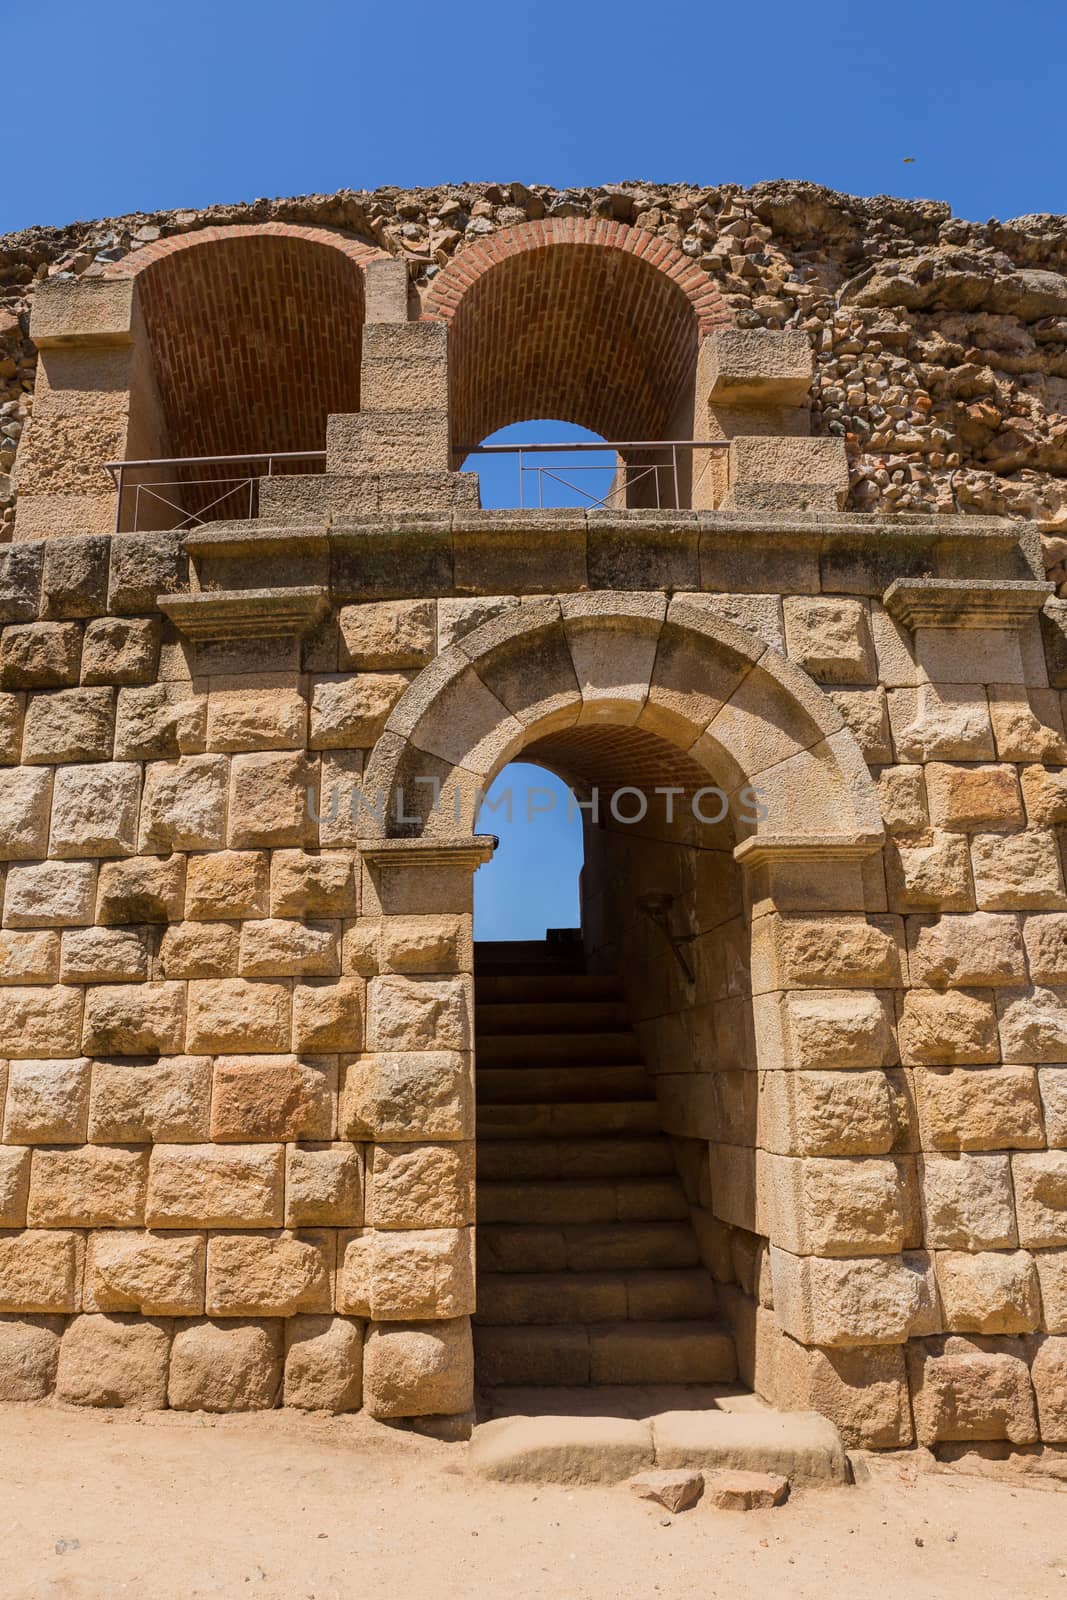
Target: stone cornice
[
  {"x": 771, "y": 849},
  {"x": 964, "y": 602},
  {"x": 469, "y": 853},
  {"x": 220, "y": 614}
]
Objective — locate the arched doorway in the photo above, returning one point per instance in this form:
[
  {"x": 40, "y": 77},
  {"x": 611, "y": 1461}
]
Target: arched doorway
[{"x": 734, "y": 925}]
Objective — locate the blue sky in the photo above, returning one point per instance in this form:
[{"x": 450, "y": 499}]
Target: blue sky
[{"x": 122, "y": 107}]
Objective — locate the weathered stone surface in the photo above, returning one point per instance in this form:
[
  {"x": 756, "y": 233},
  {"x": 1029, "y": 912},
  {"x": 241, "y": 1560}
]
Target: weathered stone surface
[
  {"x": 165, "y": 1100},
  {"x": 418, "y": 1369},
  {"x": 746, "y": 1491},
  {"x": 572, "y": 1450},
  {"x": 349, "y": 711},
  {"x": 834, "y": 1207},
  {"x": 47, "y": 1101},
  {"x": 35, "y": 1021},
  {"x": 69, "y": 725},
  {"x": 269, "y": 799},
  {"x": 25, "y": 801},
  {"x": 971, "y": 1388},
  {"x": 40, "y": 1271},
  {"x": 88, "y": 1186},
  {"x": 983, "y": 949},
  {"x": 863, "y": 1391},
  {"x": 1033, "y": 1024},
  {"x": 105, "y": 955},
  {"x": 184, "y": 805},
  {"x": 50, "y": 894},
  {"x": 398, "y": 633},
  {"x": 237, "y": 1014},
  {"x": 419, "y": 1274},
  {"x": 199, "y": 950},
  {"x": 328, "y": 1014},
  {"x": 274, "y": 1275},
  {"x": 800, "y": 1445},
  {"x": 143, "y": 566},
  {"x": 306, "y": 885},
  {"x": 74, "y": 583},
  {"x": 279, "y": 948},
  {"x": 419, "y": 1094},
  {"x": 422, "y": 945},
  {"x": 421, "y": 1185},
  {"x": 14, "y": 1186},
  {"x": 419, "y": 1013},
  {"x": 968, "y": 1203},
  {"x": 114, "y": 1361},
  {"x": 979, "y": 1108},
  {"x": 988, "y": 1292},
  {"x": 1040, "y": 1181},
  {"x": 29, "y": 1356},
  {"x": 973, "y": 799},
  {"x": 30, "y": 957},
  {"x": 855, "y": 1301},
  {"x": 135, "y": 1019},
  {"x": 215, "y": 1186},
  {"x": 160, "y": 721},
  {"x": 931, "y": 873},
  {"x": 120, "y": 650},
  {"x": 1018, "y": 871},
  {"x": 830, "y": 638},
  {"x": 266, "y": 1097},
  {"x": 225, "y": 1366},
  {"x": 40, "y": 655},
  {"x": 323, "y": 1363},
  {"x": 256, "y": 711},
  {"x": 12, "y": 713},
  {"x": 141, "y": 889},
  {"x": 1048, "y": 1373},
  {"x": 227, "y": 884},
  {"x": 956, "y": 1027},
  {"x": 676, "y": 1490},
  {"x": 323, "y": 1185},
  {"x": 156, "y": 1274}
]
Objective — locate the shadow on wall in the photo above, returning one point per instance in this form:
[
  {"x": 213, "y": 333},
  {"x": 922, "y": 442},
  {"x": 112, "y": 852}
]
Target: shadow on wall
[{"x": 531, "y": 884}]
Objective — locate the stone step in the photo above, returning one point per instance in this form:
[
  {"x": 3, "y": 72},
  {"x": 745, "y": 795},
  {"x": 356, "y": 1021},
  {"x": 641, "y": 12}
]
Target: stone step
[
  {"x": 596, "y": 1081},
  {"x": 571, "y": 1200},
  {"x": 551, "y": 1297},
  {"x": 605, "y": 1353},
  {"x": 617, "y": 1046},
  {"x": 608, "y": 1448},
  {"x": 494, "y": 957},
  {"x": 585, "y": 1247},
  {"x": 600, "y": 1157},
  {"x": 545, "y": 1120},
  {"x": 523, "y": 988},
  {"x": 614, "y": 1400},
  {"x": 533, "y": 1018}
]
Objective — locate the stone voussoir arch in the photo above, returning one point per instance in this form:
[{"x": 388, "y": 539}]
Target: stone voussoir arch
[{"x": 734, "y": 708}]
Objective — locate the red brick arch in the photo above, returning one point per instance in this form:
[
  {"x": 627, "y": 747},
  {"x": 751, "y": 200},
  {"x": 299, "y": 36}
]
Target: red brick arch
[
  {"x": 254, "y": 334},
  {"x": 586, "y": 320}
]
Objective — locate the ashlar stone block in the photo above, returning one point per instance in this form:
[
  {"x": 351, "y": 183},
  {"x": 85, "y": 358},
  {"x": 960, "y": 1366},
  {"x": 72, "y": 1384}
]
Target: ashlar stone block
[
  {"x": 855, "y": 1302},
  {"x": 25, "y": 804},
  {"x": 29, "y": 1356},
  {"x": 88, "y": 1186},
  {"x": 971, "y": 1389},
  {"x": 256, "y": 711},
  {"x": 307, "y": 885},
  {"x": 324, "y": 1185},
  {"x": 40, "y": 655},
  {"x": 40, "y": 1022},
  {"x": 165, "y": 1099},
  {"x": 1033, "y": 1024},
  {"x": 40, "y": 1270},
  {"x": 227, "y": 885},
  {"x": 973, "y": 799},
  {"x": 199, "y": 950},
  {"x": 215, "y": 1186},
  {"x": 238, "y": 1015},
  {"x": 979, "y": 1108},
  {"x": 184, "y": 804},
  {"x": 966, "y": 952},
  {"x": 226, "y": 1366},
  {"x": 422, "y": 1275},
  {"x": 930, "y": 873},
  {"x": 120, "y": 650},
  {"x": 418, "y": 1369},
  {"x": 968, "y": 1202},
  {"x": 141, "y": 889},
  {"x": 829, "y": 636},
  {"x": 156, "y": 1274},
  {"x": 266, "y": 1097},
  {"x": 135, "y": 1019},
  {"x": 114, "y": 1361},
  {"x": 95, "y": 809},
  {"x": 408, "y": 1095},
  {"x": 14, "y": 1186},
  {"x": 1040, "y": 1179},
  {"x": 421, "y": 1185},
  {"x": 69, "y": 725},
  {"x": 50, "y": 894},
  {"x": 47, "y": 1101},
  {"x": 1048, "y": 1373},
  {"x": 1018, "y": 871},
  {"x": 105, "y": 955},
  {"x": 384, "y": 635},
  {"x": 269, "y": 804},
  {"x": 279, "y": 948},
  {"x": 269, "y": 1274},
  {"x": 323, "y": 1363},
  {"x": 988, "y": 1291},
  {"x": 29, "y": 957},
  {"x": 1045, "y": 938},
  {"x": 349, "y": 710},
  {"x": 160, "y": 721},
  {"x": 328, "y": 1014},
  {"x": 954, "y": 1027},
  {"x": 834, "y": 1207}
]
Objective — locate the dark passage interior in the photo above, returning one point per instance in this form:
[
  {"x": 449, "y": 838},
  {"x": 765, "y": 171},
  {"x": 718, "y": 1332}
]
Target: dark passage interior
[{"x": 591, "y": 1291}]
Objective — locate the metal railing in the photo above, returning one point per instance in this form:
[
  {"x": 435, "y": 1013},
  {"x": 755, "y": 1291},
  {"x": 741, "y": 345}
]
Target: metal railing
[
  {"x": 662, "y": 482},
  {"x": 197, "y": 494}
]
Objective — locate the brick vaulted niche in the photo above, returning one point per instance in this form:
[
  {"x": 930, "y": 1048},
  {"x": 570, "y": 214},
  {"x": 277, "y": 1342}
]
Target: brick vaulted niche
[{"x": 593, "y": 323}]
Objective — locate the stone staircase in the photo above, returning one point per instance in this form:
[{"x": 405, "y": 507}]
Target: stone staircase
[{"x": 588, "y": 1267}]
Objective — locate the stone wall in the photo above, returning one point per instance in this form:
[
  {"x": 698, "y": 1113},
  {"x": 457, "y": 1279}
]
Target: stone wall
[{"x": 941, "y": 344}]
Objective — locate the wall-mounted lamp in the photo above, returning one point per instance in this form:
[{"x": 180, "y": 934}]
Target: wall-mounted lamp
[{"x": 656, "y": 906}]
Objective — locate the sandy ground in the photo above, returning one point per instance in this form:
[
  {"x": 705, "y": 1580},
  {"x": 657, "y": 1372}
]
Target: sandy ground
[{"x": 303, "y": 1508}]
